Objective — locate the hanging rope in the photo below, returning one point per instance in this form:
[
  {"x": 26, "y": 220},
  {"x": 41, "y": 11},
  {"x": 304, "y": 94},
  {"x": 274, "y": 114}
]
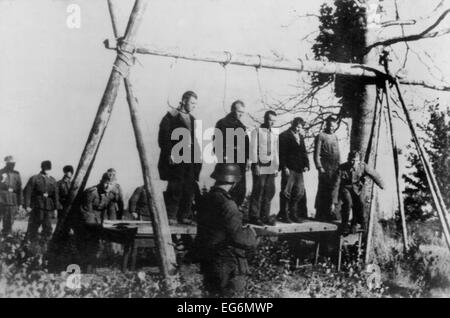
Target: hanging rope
[
  {"x": 263, "y": 97},
  {"x": 225, "y": 88},
  {"x": 171, "y": 74}
]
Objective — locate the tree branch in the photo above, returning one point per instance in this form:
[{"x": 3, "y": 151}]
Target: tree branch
[
  {"x": 397, "y": 23},
  {"x": 439, "y": 87},
  {"x": 414, "y": 37}
]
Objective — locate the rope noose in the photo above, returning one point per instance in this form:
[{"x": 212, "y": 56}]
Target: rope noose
[
  {"x": 171, "y": 71},
  {"x": 261, "y": 93},
  {"x": 224, "y": 64}
]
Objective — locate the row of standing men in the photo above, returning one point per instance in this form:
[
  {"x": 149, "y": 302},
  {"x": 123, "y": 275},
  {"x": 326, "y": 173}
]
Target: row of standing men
[
  {"x": 290, "y": 158},
  {"x": 43, "y": 196}
]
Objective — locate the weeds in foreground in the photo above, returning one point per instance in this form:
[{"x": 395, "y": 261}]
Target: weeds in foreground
[{"x": 275, "y": 272}]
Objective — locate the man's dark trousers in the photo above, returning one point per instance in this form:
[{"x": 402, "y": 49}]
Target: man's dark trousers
[
  {"x": 180, "y": 193},
  {"x": 351, "y": 201},
  {"x": 38, "y": 218},
  {"x": 296, "y": 205},
  {"x": 223, "y": 277},
  {"x": 7, "y": 213}
]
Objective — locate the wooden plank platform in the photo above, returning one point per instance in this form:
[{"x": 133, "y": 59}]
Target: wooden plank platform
[{"x": 144, "y": 228}]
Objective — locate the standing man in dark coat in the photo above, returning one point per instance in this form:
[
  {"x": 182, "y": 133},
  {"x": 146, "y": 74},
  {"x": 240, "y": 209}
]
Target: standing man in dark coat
[
  {"x": 115, "y": 208},
  {"x": 93, "y": 208},
  {"x": 348, "y": 187},
  {"x": 222, "y": 241},
  {"x": 239, "y": 144},
  {"x": 182, "y": 168},
  {"x": 41, "y": 201},
  {"x": 293, "y": 163},
  {"x": 10, "y": 194},
  {"x": 138, "y": 206},
  {"x": 64, "y": 189},
  {"x": 327, "y": 159}
]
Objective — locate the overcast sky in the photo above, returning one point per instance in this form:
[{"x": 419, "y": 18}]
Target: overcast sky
[{"x": 52, "y": 77}]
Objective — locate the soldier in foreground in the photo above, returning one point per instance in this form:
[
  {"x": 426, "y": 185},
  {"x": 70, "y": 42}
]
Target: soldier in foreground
[
  {"x": 222, "y": 240},
  {"x": 94, "y": 206},
  {"x": 137, "y": 205},
  {"x": 41, "y": 201},
  {"x": 64, "y": 189},
  {"x": 348, "y": 187},
  {"x": 10, "y": 194}
]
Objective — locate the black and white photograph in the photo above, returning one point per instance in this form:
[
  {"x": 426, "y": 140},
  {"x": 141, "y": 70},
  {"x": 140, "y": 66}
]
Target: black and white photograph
[{"x": 242, "y": 150}]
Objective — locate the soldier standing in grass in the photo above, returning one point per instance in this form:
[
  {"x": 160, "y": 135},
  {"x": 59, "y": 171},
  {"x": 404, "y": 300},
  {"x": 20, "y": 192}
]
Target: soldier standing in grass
[
  {"x": 10, "y": 194},
  {"x": 222, "y": 241},
  {"x": 64, "y": 189},
  {"x": 41, "y": 201}
]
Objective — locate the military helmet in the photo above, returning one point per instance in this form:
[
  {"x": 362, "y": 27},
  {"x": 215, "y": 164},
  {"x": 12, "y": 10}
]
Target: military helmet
[
  {"x": 46, "y": 165},
  {"x": 226, "y": 172},
  {"x": 9, "y": 159}
]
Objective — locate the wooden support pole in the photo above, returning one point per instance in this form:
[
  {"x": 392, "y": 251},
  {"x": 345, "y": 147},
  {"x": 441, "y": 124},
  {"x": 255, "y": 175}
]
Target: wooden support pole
[
  {"x": 396, "y": 167},
  {"x": 160, "y": 222},
  {"x": 374, "y": 147},
  {"x": 259, "y": 61},
  {"x": 158, "y": 214},
  {"x": 434, "y": 188},
  {"x": 121, "y": 66}
]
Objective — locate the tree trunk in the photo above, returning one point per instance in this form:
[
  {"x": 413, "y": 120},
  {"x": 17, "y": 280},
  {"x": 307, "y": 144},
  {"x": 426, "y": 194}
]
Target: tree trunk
[{"x": 363, "y": 114}]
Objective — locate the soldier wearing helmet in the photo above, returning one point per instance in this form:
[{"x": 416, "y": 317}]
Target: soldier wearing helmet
[
  {"x": 64, "y": 189},
  {"x": 41, "y": 202},
  {"x": 222, "y": 240}
]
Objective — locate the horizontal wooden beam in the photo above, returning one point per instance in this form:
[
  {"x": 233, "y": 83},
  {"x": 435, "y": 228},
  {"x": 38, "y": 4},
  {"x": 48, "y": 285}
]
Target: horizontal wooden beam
[{"x": 259, "y": 61}]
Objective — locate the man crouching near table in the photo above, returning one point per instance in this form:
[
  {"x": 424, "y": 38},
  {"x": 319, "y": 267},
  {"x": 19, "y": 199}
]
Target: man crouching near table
[
  {"x": 94, "y": 205},
  {"x": 222, "y": 241}
]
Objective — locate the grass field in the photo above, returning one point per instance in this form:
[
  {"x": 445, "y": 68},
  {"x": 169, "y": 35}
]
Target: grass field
[{"x": 279, "y": 268}]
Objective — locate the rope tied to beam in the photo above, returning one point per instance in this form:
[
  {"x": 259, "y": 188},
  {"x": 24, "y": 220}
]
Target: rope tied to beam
[
  {"x": 260, "y": 62},
  {"x": 228, "y": 60},
  {"x": 125, "y": 53}
]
